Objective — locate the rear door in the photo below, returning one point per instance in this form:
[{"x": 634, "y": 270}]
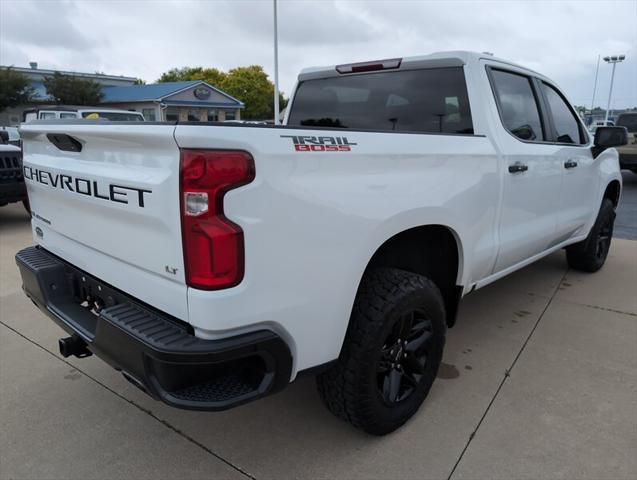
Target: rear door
[
  {"x": 532, "y": 173},
  {"x": 578, "y": 195},
  {"x": 105, "y": 198}
]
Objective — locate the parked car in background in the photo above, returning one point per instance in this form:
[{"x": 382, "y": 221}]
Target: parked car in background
[
  {"x": 12, "y": 134},
  {"x": 68, "y": 112},
  {"x": 593, "y": 127},
  {"x": 12, "y": 187},
  {"x": 628, "y": 152}
]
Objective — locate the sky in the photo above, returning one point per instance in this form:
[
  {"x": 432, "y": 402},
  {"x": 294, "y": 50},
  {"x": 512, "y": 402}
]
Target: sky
[{"x": 143, "y": 38}]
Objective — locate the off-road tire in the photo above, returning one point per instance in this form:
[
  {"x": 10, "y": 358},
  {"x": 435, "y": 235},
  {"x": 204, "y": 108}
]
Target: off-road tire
[
  {"x": 590, "y": 254},
  {"x": 350, "y": 389}
]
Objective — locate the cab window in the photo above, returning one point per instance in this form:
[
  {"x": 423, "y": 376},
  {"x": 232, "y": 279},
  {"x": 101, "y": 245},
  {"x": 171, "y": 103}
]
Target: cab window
[
  {"x": 517, "y": 105},
  {"x": 567, "y": 128},
  {"x": 419, "y": 101}
]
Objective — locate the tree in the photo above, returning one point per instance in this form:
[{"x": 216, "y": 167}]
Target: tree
[
  {"x": 71, "y": 90},
  {"x": 178, "y": 74},
  {"x": 249, "y": 84},
  {"x": 15, "y": 88},
  {"x": 252, "y": 86},
  {"x": 213, "y": 76}
]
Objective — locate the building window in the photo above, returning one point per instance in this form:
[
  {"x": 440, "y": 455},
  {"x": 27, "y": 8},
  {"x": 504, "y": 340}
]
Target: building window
[
  {"x": 172, "y": 114},
  {"x": 213, "y": 115},
  {"x": 193, "y": 115},
  {"x": 230, "y": 115},
  {"x": 149, "y": 114}
]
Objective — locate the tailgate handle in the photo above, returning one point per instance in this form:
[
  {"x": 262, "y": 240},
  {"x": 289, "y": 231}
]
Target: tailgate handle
[{"x": 65, "y": 142}]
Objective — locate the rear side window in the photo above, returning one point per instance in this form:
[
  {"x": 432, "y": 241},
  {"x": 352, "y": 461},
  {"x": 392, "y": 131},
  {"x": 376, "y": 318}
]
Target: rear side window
[
  {"x": 425, "y": 101},
  {"x": 517, "y": 105},
  {"x": 628, "y": 120},
  {"x": 566, "y": 125}
]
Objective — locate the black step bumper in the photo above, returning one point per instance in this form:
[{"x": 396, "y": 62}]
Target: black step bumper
[{"x": 154, "y": 351}]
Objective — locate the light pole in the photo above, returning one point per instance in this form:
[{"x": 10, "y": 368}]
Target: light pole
[
  {"x": 614, "y": 59},
  {"x": 276, "y": 69},
  {"x": 594, "y": 90}
]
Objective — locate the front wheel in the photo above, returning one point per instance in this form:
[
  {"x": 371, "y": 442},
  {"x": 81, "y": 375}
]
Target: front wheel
[
  {"x": 391, "y": 353},
  {"x": 590, "y": 254}
]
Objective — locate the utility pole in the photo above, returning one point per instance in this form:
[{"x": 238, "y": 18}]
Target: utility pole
[
  {"x": 276, "y": 68},
  {"x": 615, "y": 59}
]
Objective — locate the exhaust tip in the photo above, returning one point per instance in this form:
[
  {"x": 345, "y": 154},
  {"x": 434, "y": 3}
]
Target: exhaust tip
[{"x": 73, "y": 345}]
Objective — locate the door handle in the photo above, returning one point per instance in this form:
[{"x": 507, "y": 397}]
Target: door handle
[
  {"x": 518, "y": 167},
  {"x": 570, "y": 164}
]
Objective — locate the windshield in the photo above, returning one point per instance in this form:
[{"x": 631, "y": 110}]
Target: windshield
[
  {"x": 13, "y": 134},
  {"x": 629, "y": 121},
  {"x": 114, "y": 116}
]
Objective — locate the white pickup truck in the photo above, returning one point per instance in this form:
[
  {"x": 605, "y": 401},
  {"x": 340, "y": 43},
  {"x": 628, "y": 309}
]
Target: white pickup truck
[{"x": 212, "y": 264}]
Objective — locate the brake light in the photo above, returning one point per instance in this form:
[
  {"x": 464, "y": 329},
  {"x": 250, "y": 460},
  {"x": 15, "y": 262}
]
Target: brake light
[
  {"x": 388, "y": 64},
  {"x": 213, "y": 245}
]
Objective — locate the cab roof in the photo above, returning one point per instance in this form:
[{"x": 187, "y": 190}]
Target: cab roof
[{"x": 456, "y": 58}]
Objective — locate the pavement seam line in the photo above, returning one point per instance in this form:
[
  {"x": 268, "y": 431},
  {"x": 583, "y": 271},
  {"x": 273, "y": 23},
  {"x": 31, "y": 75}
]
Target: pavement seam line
[
  {"x": 136, "y": 405},
  {"x": 606, "y": 309},
  {"x": 507, "y": 374}
]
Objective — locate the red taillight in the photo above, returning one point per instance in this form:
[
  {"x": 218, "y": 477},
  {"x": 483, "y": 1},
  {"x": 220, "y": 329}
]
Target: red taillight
[{"x": 213, "y": 245}]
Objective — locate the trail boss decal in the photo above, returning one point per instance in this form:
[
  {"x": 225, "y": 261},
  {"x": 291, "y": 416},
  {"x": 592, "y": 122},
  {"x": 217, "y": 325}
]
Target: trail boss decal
[
  {"x": 305, "y": 143},
  {"x": 111, "y": 192}
]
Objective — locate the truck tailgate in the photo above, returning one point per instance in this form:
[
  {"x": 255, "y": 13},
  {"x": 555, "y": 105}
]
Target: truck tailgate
[{"x": 111, "y": 208}]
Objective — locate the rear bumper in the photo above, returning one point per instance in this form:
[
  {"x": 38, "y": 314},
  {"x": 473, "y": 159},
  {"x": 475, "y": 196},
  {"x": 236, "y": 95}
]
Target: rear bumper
[
  {"x": 12, "y": 192},
  {"x": 157, "y": 353}
]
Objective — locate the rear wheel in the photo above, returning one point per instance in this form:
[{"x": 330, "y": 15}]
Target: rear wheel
[
  {"x": 590, "y": 254},
  {"x": 391, "y": 353}
]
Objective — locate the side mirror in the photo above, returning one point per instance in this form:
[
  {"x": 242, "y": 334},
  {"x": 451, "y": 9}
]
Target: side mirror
[
  {"x": 4, "y": 136},
  {"x": 607, "y": 137}
]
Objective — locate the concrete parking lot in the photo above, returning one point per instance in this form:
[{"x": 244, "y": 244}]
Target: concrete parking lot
[{"x": 539, "y": 381}]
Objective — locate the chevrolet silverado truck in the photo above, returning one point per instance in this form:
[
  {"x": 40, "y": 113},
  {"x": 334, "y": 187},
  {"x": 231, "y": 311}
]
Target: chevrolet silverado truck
[{"x": 212, "y": 264}]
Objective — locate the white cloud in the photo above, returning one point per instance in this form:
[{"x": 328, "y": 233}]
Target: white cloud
[{"x": 147, "y": 37}]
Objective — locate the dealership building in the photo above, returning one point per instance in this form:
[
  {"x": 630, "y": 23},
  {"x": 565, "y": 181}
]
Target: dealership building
[
  {"x": 36, "y": 76},
  {"x": 195, "y": 101}
]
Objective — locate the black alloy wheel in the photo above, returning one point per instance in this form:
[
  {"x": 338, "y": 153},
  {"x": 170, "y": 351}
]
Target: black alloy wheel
[{"x": 403, "y": 357}]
